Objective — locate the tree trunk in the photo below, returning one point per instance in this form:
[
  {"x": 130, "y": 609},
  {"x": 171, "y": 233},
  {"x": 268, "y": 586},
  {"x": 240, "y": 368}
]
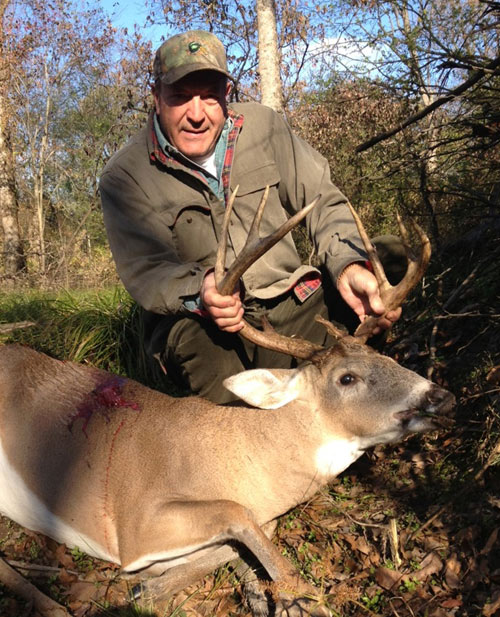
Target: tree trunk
[
  {"x": 269, "y": 68},
  {"x": 12, "y": 250}
]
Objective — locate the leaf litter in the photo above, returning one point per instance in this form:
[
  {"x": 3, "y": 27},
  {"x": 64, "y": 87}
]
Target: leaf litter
[{"x": 408, "y": 530}]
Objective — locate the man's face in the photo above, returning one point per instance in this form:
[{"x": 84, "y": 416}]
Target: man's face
[{"x": 192, "y": 111}]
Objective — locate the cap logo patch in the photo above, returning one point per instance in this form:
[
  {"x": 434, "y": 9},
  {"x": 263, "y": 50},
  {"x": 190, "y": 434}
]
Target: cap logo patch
[{"x": 193, "y": 47}]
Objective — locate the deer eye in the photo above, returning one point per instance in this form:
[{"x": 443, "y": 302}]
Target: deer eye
[{"x": 347, "y": 379}]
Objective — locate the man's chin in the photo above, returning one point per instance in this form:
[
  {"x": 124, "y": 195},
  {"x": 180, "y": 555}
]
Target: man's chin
[
  {"x": 195, "y": 153},
  {"x": 195, "y": 148}
]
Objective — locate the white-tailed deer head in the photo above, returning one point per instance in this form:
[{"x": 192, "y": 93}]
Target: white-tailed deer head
[{"x": 174, "y": 487}]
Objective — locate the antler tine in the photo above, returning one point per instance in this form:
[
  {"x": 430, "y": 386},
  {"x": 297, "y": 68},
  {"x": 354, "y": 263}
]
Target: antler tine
[
  {"x": 337, "y": 333},
  {"x": 393, "y": 296},
  {"x": 254, "y": 248},
  {"x": 220, "y": 259},
  {"x": 378, "y": 269}
]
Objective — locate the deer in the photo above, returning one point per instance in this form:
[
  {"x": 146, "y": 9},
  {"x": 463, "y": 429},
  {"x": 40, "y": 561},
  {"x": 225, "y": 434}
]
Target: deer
[{"x": 172, "y": 488}]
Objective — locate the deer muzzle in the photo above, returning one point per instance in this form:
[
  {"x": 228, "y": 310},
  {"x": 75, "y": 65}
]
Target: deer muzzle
[{"x": 434, "y": 411}]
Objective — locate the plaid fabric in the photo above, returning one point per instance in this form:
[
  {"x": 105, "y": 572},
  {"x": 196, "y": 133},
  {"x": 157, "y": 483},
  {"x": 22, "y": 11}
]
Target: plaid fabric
[
  {"x": 306, "y": 286},
  {"x": 231, "y": 145}
]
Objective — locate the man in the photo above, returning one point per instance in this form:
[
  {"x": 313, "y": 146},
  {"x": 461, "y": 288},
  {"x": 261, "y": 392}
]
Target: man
[{"x": 164, "y": 196}]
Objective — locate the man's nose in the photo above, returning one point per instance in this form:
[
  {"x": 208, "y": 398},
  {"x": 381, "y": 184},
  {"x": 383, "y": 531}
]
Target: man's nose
[{"x": 195, "y": 111}]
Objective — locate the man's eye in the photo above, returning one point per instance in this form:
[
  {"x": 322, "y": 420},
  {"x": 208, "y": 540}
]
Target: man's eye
[
  {"x": 211, "y": 99},
  {"x": 176, "y": 99}
]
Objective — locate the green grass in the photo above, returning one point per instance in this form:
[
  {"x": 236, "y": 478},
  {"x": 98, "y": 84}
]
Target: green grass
[{"x": 100, "y": 327}]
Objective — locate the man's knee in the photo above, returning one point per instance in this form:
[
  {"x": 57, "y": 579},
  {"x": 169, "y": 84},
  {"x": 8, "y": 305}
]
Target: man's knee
[{"x": 200, "y": 356}]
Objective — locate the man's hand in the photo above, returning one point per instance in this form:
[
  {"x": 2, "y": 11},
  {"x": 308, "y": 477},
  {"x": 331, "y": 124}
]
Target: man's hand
[
  {"x": 359, "y": 289},
  {"x": 226, "y": 311}
]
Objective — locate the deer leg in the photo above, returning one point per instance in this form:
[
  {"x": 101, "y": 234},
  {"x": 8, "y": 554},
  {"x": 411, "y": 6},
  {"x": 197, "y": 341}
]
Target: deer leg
[
  {"x": 192, "y": 527},
  {"x": 159, "y": 588},
  {"x": 182, "y": 531}
]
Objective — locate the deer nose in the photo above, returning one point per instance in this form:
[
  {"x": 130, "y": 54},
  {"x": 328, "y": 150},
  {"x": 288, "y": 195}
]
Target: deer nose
[{"x": 439, "y": 400}]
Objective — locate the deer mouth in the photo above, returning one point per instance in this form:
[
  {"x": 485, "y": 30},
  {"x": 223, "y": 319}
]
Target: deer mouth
[{"x": 435, "y": 411}]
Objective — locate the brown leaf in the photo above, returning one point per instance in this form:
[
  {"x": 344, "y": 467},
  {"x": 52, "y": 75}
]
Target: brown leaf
[
  {"x": 439, "y": 612},
  {"x": 65, "y": 578},
  {"x": 82, "y": 592},
  {"x": 429, "y": 566},
  {"x": 358, "y": 543},
  {"x": 452, "y": 603},
  {"x": 452, "y": 571},
  {"x": 386, "y": 578},
  {"x": 491, "y": 608},
  {"x": 64, "y": 558}
]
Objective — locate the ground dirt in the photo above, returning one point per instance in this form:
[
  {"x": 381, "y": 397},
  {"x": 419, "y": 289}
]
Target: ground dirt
[{"x": 408, "y": 530}]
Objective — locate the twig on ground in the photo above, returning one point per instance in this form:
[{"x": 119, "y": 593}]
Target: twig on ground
[
  {"x": 23, "y": 588},
  {"x": 479, "y": 394},
  {"x": 20, "y": 565}
]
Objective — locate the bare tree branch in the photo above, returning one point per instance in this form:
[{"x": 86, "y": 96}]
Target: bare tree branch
[{"x": 490, "y": 69}]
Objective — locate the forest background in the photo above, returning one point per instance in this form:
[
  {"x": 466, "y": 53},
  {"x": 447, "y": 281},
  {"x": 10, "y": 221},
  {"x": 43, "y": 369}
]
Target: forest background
[
  {"x": 74, "y": 87},
  {"x": 402, "y": 98}
]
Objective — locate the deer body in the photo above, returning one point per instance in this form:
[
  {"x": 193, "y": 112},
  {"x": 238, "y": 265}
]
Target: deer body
[
  {"x": 177, "y": 487},
  {"x": 134, "y": 476}
]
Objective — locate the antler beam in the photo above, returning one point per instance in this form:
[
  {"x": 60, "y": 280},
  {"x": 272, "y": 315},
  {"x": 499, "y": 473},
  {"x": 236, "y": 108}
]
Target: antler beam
[
  {"x": 393, "y": 296},
  {"x": 255, "y": 247}
]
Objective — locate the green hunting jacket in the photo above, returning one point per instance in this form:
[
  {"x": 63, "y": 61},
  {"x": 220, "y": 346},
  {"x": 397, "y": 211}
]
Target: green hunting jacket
[{"x": 164, "y": 222}]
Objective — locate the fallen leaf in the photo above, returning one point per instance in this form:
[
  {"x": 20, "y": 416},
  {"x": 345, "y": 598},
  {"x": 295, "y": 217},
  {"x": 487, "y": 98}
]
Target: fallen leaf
[
  {"x": 64, "y": 557},
  {"x": 65, "y": 578},
  {"x": 387, "y": 578},
  {"x": 452, "y": 603},
  {"x": 82, "y": 592},
  {"x": 491, "y": 608},
  {"x": 358, "y": 543},
  {"x": 428, "y": 567},
  {"x": 452, "y": 571}
]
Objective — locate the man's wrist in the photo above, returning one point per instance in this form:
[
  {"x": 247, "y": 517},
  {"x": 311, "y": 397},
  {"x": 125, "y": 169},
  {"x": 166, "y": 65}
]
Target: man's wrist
[{"x": 362, "y": 264}]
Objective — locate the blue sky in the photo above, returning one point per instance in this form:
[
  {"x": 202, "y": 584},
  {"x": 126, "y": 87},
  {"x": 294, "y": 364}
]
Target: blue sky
[{"x": 125, "y": 14}]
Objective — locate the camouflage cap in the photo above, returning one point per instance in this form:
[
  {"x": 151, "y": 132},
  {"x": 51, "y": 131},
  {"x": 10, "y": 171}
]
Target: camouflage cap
[{"x": 196, "y": 50}]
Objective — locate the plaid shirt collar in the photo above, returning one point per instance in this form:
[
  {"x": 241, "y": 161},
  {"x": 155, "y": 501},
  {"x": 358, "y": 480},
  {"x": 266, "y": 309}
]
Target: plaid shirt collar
[{"x": 166, "y": 154}]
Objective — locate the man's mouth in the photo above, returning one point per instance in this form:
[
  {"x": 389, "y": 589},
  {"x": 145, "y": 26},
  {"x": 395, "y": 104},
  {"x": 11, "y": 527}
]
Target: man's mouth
[{"x": 194, "y": 133}]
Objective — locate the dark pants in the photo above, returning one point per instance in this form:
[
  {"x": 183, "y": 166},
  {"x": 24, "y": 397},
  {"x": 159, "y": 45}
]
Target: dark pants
[{"x": 200, "y": 356}]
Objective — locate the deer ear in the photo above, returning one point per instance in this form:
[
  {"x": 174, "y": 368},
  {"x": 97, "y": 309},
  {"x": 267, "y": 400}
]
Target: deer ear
[{"x": 267, "y": 389}]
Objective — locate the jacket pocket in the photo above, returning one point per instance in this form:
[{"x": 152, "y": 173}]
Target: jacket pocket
[
  {"x": 192, "y": 233},
  {"x": 257, "y": 179},
  {"x": 251, "y": 189}
]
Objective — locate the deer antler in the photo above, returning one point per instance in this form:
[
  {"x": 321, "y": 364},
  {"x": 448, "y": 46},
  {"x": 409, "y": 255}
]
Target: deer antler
[
  {"x": 393, "y": 296},
  {"x": 255, "y": 247}
]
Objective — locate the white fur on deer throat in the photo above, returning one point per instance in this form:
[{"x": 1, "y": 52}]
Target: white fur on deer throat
[
  {"x": 21, "y": 505},
  {"x": 336, "y": 454}
]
